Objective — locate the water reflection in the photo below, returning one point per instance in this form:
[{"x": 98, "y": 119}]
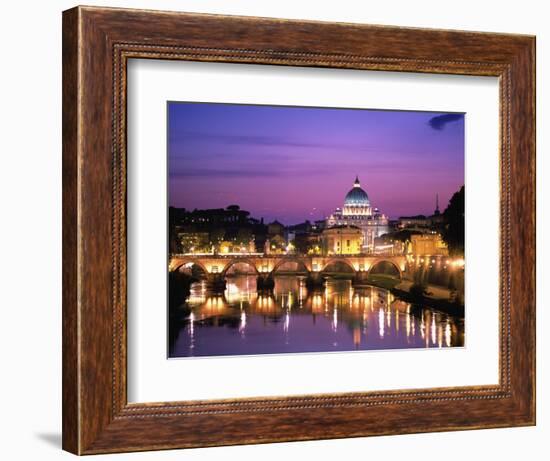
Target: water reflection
[{"x": 293, "y": 319}]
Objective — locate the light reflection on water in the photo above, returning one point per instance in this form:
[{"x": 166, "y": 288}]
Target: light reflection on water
[{"x": 292, "y": 318}]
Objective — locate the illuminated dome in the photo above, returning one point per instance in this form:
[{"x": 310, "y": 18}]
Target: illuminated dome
[{"x": 357, "y": 196}]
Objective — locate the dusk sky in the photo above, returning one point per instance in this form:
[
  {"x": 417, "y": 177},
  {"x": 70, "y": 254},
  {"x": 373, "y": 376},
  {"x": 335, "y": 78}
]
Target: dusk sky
[{"x": 298, "y": 163}]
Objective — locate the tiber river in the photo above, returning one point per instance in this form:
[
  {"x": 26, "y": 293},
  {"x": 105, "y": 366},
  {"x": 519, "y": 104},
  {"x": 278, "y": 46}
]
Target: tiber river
[{"x": 292, "y": 319}]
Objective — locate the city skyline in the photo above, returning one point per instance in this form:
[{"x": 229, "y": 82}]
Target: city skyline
[{"x": 295, "y": 163}]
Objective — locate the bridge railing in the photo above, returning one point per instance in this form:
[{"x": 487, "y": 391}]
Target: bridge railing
[{"x": 216, "y": 255}]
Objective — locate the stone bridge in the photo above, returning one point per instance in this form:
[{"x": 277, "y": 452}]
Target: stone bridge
[{"x": 266, "y": 265}]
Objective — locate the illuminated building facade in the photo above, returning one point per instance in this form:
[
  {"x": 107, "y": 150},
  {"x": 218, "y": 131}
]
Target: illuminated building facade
[
  {"x": 358, "y": 212},
  {"x": 428, "y": 245},
  {"x": 342, "y": 240},
  {"x": 194, "y": 242}
]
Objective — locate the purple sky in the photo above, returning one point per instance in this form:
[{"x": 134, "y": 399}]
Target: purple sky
[{"x": 297, "y": 163}]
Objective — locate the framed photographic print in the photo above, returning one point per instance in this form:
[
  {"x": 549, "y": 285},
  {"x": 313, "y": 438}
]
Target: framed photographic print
[
  {"x": 289, "y": 275},
  {"x": 280, "y": 230}
]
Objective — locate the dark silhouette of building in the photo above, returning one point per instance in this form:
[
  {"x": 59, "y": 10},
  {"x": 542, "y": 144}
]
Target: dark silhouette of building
[{"x": 229, "y": 224}]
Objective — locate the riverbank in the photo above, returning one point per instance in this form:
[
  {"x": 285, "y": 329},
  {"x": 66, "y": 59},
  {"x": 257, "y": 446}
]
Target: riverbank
[
  {"x": 438, "y": 298},
  {"x": 383, "y": 281},
  {"x": 435, "y": 297}
]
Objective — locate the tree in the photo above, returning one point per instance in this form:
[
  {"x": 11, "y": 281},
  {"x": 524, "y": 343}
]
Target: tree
[
  {"x": 453, "y": 232},
  {"x": 244, "y": 235}
]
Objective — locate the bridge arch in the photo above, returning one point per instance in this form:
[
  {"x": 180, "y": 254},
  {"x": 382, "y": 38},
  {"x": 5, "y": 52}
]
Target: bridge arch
[
  {"x": 231, "y": 263},
  {"x": 182, "y": 262},
  {"x": 297, "y": 260},
  {"x": 338, "y": 261},
  {"x": 387, "y": 261}
]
